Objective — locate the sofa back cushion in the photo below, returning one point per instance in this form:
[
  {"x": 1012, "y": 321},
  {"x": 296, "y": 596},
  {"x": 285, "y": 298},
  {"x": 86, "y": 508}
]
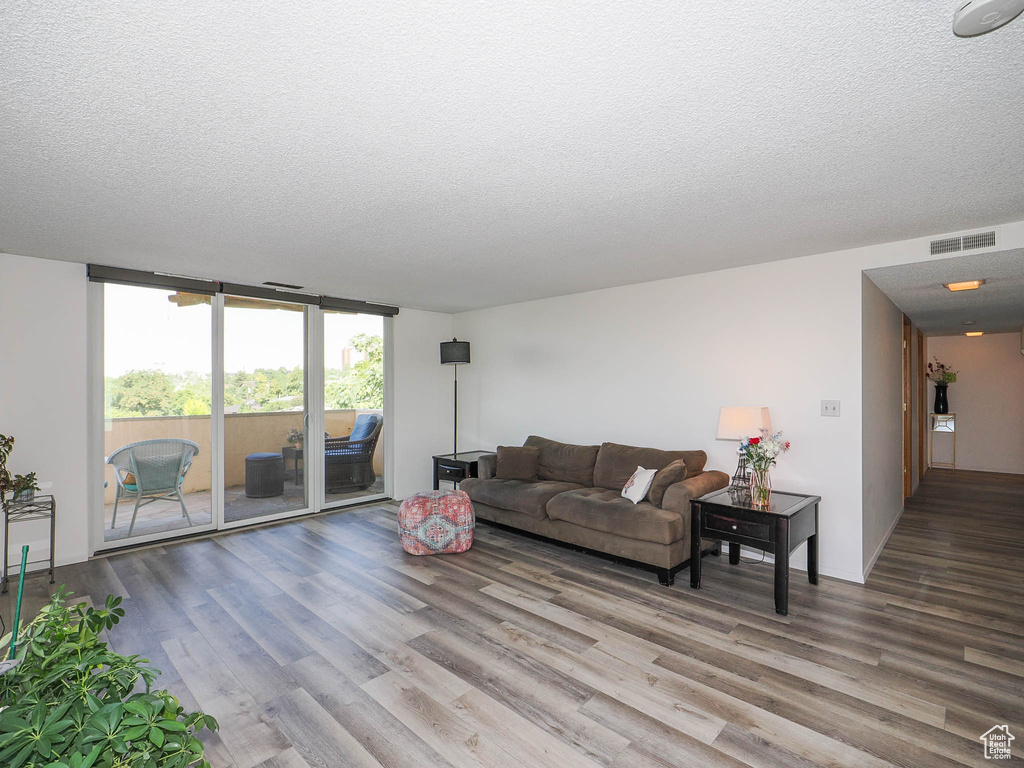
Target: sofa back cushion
[
  {"x": 565, "y": 462},
  {"x": 616, "y": 463},
  {"x": 518, "y": 463}
]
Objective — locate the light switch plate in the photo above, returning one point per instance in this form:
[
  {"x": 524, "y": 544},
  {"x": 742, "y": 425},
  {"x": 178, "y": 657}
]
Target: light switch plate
[{"x": 829, "y": 407}]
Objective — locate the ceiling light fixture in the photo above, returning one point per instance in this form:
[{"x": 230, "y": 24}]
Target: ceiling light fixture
[
  {"x": 980, "y": 16},
  {"x": 974, "y": 333},
  {"x": 966, "y": 285}
]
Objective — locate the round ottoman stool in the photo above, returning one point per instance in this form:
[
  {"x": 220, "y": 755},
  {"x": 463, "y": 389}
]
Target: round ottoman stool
[
  {"x": 264, "y": 475},
  {"x": 436, "y": 523}
]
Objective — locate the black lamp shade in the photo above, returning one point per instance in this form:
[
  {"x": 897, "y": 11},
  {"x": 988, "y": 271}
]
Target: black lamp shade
[{"x": 454, "y": 352}]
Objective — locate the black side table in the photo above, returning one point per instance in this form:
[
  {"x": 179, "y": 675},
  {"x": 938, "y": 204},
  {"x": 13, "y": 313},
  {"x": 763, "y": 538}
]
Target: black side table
[
  {"x": 790, "y": 519},
  {"x": 456, "y": 467},
  {"x": 39, "y": 508},
  {"x": 294, "y": 454}
]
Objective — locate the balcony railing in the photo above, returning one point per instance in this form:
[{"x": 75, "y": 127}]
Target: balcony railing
[{"x": 244, "y": 433}]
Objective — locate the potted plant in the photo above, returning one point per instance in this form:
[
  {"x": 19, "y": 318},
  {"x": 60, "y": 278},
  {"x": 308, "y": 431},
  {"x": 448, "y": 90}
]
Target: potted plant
[
  {"x": 6, "y": 446},
  {"x": 296, "y": 437},
  {"x": 71, "y": 702},
  {"x": 942, "y": 376},
  {"x": 25, "y": 487}
]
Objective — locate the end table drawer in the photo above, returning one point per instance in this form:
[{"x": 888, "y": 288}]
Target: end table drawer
[
  {"x": 730, "y": 525},
  {"x": 450, "y": 472}
]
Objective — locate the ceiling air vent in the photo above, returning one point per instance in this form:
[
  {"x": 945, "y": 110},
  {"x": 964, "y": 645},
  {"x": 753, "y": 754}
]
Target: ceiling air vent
[
  {"x": 946, "y": 245},
  {"x": 979, "y": 240},
  {"x": 274, "y": 284},
  {"x": 963, "y": 243}
]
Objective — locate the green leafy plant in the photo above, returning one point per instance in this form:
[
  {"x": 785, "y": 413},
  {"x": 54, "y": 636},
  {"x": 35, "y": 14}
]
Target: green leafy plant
[
  {"x": 23, "y": 483},
  {"x": 73, "y": 703},
  {"x": 6, "y": 446}
]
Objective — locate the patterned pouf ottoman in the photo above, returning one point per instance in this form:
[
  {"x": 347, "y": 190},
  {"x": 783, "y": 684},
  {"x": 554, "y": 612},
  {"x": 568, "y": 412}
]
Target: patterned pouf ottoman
[{"x": 436, "y": 523}]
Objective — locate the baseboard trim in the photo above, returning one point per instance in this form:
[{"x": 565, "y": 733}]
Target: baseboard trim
[
  {"x": 881, "y": 545},
  {"x": 797, "y": 564}
]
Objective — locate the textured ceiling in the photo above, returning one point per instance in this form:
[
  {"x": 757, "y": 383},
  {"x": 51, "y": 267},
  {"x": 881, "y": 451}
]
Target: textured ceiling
[
  {"x": 919, "y": 291},
  {"x": 466, "y": 154}
]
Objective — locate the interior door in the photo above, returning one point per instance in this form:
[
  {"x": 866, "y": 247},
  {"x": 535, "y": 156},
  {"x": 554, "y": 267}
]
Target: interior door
[{"x": 908, "y": 416}]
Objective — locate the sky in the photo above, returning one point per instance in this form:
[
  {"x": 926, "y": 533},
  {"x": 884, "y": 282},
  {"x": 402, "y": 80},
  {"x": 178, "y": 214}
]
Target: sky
[{"x": 144, "y": 330}]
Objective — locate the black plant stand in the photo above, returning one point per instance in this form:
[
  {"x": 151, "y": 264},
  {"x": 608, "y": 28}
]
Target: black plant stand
[{"x": 38, "y": 508}]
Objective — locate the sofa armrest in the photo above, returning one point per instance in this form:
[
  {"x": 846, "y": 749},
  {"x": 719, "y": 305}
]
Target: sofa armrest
[
  {"x": 487, "y": 466},
  {"x": 677, "y": 497}
]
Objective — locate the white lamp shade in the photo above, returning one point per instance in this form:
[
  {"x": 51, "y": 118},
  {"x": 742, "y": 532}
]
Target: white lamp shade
[{"x": 735, "y": 423}]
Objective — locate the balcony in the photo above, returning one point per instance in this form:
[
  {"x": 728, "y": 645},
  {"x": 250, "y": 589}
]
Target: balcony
[{"x": 244, "y": 434}]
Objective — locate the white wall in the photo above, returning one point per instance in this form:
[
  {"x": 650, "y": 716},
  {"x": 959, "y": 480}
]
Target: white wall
[
  {"x": 987, "y": 398},
  {"x": 422, "y": 398},
  {"x": 651, "y": 364},
  {"x": 43, "y": 394},
  {"x": 882, "y": 407}
]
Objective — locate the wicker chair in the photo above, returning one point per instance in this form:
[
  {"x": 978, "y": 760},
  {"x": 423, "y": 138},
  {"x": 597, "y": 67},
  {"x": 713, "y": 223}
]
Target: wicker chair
[
  {"x": 152, "y": 470},
  {"x": 348, "y": 461}
]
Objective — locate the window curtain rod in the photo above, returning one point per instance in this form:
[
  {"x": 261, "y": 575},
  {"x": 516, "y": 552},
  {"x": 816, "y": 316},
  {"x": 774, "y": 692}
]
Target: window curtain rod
[{"x": 101, "y": 274}]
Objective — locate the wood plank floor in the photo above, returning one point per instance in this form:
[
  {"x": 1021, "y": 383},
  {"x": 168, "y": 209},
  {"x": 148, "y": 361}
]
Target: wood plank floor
[{"x": 320, "y": 644}]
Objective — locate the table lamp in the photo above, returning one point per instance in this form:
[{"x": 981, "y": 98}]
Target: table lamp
[{"x": 735, "y": 423}]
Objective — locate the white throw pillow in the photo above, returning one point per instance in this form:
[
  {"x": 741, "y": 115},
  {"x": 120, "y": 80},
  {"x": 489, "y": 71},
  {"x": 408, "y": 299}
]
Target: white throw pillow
[{"x": 639, "y": 484}]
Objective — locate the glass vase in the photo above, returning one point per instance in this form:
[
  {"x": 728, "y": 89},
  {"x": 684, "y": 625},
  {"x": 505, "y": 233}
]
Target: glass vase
[{"x": 760, "y": 487}]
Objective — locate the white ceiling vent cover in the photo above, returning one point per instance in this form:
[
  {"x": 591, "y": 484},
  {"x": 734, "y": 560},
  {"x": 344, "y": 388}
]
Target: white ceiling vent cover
[
  {"x": 962, "y": 243},
  {"x": 979, "y": 240}
]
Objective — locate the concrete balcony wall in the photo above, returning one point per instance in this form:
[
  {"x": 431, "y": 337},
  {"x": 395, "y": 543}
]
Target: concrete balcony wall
[{"x": 244, "y": 433}]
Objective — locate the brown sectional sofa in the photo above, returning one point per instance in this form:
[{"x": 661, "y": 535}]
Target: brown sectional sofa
[{"x": 577, "y": 501}]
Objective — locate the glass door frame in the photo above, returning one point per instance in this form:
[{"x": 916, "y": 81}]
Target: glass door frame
[
  {"x": 318, "y": 420},
  {"x": 309, "y": 403},
  {"x": 96, "y": 307}
]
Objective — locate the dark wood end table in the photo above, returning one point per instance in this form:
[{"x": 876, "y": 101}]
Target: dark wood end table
[
  {"x": 456, "y": 467},
  {"x": 789, "y": 520}
]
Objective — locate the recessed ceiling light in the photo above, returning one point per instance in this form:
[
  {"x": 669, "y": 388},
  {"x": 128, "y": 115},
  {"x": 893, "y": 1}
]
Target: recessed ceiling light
[
  {"x": 966, "y": 285},
  {"x": 974, "y": 333}
]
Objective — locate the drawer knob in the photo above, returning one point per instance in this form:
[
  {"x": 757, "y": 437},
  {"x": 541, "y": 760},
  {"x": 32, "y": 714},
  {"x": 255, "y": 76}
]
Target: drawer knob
[{"x": 734, "y": 527}]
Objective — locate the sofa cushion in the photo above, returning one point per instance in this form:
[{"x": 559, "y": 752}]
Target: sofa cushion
[
  {"x": 670, "y": 475},
  {"x": 617, "y": 463},
  {"x": 606, "y": 511},
  {"x": 518, "y": 463},
  {"x": 568, "y": 463},
  {"x": 529, "y": 498}
]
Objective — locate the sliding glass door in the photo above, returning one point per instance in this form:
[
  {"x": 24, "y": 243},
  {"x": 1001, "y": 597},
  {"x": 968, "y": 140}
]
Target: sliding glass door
[
  {"x": 222, "y": 409},
  {"x": 353, "y": 354},
  {"x": 265, "y": 409},
  {"x": 156, "y": 413}
]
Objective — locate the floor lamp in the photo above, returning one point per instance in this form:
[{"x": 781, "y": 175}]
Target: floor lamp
[
  {"x": 735, "y": 424},
  {"x": 455, "y": 352}
]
